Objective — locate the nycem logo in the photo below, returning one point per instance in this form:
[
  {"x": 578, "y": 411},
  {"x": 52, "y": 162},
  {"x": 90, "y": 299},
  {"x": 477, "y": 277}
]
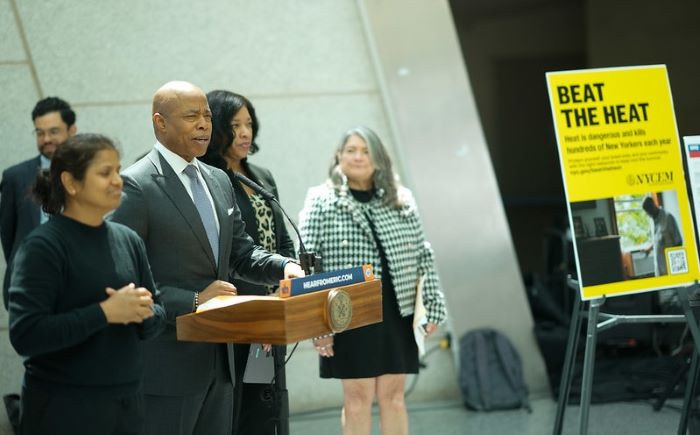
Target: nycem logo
[{"x": 650, "y": 178}]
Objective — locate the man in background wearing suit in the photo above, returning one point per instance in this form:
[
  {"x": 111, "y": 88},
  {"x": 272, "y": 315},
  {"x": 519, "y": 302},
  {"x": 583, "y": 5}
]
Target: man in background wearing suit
[
  {"x": 186, "y": 213},
  {"x": 54, "y": 122}
]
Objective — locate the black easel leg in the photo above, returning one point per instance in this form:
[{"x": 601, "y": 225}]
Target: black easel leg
[
  {"x": 689, "y": 394},
  {"x": 569, "y": 363},
  {"x": 589, "y": 363}
]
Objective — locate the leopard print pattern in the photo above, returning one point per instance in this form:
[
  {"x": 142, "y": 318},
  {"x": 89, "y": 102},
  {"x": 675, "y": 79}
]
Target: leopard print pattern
[{"x": 266, "y": 224}]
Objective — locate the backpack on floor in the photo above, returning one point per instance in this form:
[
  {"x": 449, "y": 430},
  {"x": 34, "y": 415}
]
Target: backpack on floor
[{"x": 491, "y": 374}]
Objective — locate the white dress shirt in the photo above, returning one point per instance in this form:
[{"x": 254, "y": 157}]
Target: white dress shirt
[{"x": 179, "y": 164}]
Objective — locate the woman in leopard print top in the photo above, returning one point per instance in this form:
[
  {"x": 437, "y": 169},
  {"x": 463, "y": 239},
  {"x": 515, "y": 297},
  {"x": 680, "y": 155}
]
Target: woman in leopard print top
[{"x": 234, "y": 129}]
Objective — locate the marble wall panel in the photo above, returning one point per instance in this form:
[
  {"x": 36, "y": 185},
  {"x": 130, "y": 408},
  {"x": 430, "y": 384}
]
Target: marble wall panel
[
  {"x": 18, "y": 99},
  {"x": 116, "y": 51},
  {"x": 11, "y": 47}
]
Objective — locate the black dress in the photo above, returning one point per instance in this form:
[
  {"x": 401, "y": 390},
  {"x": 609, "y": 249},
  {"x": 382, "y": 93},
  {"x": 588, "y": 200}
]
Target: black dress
[{"x": 384, "y": 348}]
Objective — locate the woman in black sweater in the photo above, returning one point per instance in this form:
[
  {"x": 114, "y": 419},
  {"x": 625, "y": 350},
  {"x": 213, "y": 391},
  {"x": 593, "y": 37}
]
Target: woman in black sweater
[
  {"x": 81, "y": 300},
  {"x": 234, "y": 129}
]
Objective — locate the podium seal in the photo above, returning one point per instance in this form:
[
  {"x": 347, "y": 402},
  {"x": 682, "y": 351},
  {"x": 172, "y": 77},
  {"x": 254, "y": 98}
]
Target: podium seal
[{"x": 338, "y": 310}]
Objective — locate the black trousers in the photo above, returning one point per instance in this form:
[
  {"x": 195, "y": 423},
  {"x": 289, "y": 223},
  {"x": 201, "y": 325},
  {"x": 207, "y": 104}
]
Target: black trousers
[
  {"x": 255, "y": 409},
  {"x": 51, "y": 413},
  {"x": 208, "y": 411}
]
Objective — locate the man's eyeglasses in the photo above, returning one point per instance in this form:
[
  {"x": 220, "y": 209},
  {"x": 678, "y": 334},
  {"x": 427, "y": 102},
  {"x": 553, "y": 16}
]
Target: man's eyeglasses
[{"x": 52, "y": 132}]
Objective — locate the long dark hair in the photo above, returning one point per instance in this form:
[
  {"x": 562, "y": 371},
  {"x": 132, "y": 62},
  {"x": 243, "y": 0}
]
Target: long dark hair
[
  {"x": 224, "y": 105},
  {"x": 73, "y": 156}
]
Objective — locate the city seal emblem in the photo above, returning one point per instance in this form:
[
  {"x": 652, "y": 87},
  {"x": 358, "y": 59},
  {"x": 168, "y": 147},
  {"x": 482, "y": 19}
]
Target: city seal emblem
[{"x": 338, "y": 310}]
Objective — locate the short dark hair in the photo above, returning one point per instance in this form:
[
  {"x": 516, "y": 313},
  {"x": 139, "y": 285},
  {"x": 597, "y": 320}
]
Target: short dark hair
[
  {"x": 54, "y": 104},
  {"x": 649, "y": 205},
  {"x": 224, "y": 105},
  {"x": 74, "y": 156}
]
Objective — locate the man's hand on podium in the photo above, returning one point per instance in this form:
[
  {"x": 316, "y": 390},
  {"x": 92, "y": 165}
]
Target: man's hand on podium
[
  {"x": 217, "y": 288},
  {"x": 293, "y": 270}
]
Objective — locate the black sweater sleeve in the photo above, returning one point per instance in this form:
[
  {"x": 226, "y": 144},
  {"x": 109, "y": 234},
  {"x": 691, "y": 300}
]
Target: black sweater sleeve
[{"x": 34, "y": 327}]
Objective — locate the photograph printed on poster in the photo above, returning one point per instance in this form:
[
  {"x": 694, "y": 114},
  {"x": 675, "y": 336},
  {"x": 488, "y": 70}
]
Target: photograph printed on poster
[{"x": 629, "y": 237}]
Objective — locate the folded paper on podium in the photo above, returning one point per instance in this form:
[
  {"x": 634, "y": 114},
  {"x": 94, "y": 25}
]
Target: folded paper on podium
[{"x": 275, "y": 320}]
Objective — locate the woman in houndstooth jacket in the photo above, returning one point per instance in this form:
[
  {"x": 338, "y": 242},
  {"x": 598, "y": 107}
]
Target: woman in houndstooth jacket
[{"x": 362, "y": 215}]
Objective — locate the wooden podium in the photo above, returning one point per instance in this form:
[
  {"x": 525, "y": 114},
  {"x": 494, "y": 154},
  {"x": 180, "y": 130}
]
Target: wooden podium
[{"x": 274, "y": 320}]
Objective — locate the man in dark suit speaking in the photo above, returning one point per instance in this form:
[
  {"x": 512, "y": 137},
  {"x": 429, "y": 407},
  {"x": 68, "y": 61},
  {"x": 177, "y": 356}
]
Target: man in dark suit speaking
[
  {"x": 186, "y": 213},
  {"x": 54, "y": 123}
]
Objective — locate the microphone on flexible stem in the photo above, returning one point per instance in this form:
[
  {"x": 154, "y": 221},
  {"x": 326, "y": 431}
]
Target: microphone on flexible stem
[{"x": 309, "y": 261}]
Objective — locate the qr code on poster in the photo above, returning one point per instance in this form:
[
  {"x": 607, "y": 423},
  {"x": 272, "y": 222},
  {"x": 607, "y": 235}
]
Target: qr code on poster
[{"x": 677, "y": 261}]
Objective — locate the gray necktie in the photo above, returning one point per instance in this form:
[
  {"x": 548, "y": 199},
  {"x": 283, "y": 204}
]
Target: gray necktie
[{"x": 206, "y": 213}]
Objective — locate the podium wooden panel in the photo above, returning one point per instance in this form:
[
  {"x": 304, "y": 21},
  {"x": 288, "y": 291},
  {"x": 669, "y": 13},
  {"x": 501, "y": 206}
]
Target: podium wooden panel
[{"x": 274, "y": 320}]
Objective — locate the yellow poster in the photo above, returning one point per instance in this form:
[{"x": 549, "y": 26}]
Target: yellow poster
[{"x": 621, "y": 161}]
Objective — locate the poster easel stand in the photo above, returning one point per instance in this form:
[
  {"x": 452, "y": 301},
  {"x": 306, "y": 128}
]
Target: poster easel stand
[{"x": 593, "y": 315}]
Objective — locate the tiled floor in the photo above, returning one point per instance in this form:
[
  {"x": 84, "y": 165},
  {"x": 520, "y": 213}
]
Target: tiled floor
[{"x": 451, "y": 418}]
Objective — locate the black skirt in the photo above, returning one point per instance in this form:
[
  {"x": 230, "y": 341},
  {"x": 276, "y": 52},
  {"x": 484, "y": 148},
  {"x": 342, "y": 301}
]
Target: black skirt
[{"x": 384, "y": 348}]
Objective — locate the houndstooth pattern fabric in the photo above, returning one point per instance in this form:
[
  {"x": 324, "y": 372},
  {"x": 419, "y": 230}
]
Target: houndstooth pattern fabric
[{"x": 333, "y": 225}]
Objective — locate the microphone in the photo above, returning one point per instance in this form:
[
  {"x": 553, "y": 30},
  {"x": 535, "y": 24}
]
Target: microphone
[
  {"x": 257, "y": 189},
  {"x": 309, "y": 261}
]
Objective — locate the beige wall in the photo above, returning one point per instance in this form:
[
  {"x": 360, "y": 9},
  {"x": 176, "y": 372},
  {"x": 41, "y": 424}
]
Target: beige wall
[{"x": 305, "y": 64}]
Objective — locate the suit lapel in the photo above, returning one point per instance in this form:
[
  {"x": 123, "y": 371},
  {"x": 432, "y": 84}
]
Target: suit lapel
[{"x": 171, "y": 184}]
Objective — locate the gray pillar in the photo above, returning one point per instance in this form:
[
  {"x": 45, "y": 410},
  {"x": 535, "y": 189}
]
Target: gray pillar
[{"x": 445, "y": 160}]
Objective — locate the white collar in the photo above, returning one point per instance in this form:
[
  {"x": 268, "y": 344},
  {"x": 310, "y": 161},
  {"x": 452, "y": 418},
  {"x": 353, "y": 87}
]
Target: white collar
[
  {"x": 44, "y": 162},
  {"x": 175, "y": 161}
]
